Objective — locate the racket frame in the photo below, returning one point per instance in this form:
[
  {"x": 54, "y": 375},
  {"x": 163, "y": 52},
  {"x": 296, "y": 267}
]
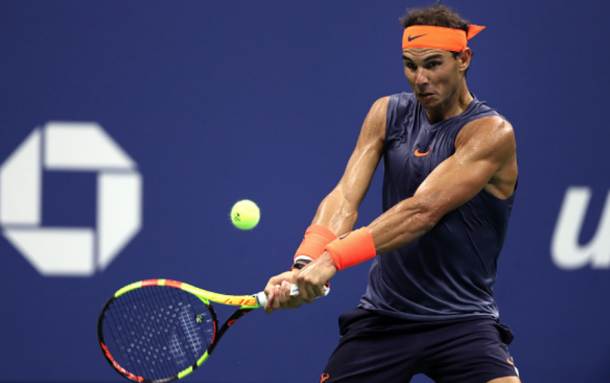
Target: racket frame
[{"x": 245, "y": 303}]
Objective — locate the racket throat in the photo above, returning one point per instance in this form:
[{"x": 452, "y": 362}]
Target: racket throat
[{"x": 228, "y": 323}]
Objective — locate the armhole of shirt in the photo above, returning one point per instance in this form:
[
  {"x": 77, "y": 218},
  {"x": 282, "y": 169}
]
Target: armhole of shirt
[{"x": 394, "y": 110}]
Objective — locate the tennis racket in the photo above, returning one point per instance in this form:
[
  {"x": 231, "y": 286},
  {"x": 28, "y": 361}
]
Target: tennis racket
[{"x": 160, "y": 330}]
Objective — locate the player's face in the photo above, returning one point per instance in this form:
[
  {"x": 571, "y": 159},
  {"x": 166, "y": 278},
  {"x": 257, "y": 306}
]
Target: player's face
[{"x": 434, "y": 75}]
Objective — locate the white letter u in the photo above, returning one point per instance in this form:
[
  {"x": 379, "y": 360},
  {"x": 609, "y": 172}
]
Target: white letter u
[{"x": 565, "y": 249}]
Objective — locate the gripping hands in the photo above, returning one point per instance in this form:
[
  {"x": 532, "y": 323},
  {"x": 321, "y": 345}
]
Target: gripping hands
[
  {"x": 290, "y": 289},
  {"x": 261, "y": 298}
]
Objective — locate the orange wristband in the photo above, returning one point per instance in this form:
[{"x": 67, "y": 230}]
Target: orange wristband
[
  {"x": 352, "y": 249},
  {"x": 316, "y": 238}
]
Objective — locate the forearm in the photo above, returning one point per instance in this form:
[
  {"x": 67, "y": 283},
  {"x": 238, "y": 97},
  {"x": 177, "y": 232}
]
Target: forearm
[
  {"x": 336, "y": 213},
  {"x": 401, "y": 225}
]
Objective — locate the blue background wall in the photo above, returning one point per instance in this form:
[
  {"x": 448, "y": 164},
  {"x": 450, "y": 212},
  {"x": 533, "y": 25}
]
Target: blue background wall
[{"x": 220, "y": 101}]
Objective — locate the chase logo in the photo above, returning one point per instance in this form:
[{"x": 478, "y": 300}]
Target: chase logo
[{"x": 70, "y": 251}]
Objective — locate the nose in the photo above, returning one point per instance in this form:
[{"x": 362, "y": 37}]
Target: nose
[{"x": 420, "y": 77}]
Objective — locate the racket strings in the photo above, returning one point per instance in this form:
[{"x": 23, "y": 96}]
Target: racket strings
[
  {"x": 157, "y": 332},
  {"x": 134, "y": 344}
]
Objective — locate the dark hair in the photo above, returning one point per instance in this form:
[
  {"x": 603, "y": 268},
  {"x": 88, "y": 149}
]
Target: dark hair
[{"x": 437, "y": 16}]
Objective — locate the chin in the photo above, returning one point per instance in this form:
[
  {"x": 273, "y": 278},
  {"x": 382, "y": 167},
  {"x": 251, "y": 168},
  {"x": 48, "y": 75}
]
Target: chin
[{"x": 428, "y": 103}]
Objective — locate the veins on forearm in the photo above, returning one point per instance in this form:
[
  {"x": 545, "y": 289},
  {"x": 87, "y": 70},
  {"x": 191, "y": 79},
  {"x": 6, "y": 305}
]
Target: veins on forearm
[
  {"x": 336, "y": 213},
  {"x": 401, "y": 225}
]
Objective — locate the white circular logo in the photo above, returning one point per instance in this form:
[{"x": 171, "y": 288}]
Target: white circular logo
[{"x": 70, "y": 251}]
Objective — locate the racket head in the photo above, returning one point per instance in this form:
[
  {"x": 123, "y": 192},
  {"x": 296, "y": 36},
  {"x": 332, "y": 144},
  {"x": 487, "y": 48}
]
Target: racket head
[{"x": 156, "y": 332}]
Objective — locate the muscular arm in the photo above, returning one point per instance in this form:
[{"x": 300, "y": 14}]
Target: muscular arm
[
  {"x": 485, "y": 157},
  {"x": 339, "y": 210}
]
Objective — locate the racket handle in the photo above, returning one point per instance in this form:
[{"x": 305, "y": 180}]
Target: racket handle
[
  {"x": 261, "y": 298},
  {"x": 294, "y": 290}
]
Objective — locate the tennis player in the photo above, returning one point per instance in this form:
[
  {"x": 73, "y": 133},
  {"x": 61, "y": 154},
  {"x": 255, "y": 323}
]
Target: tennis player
[{"x": 449, "y": 184}]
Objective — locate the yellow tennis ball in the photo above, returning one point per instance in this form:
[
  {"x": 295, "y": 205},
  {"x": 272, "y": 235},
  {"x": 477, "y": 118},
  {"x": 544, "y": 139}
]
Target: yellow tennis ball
[{"x": 245, "y": 214}]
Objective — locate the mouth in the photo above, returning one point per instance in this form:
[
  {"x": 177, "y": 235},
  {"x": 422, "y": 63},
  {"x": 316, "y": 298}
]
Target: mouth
[{"x": 425, "y": 96}]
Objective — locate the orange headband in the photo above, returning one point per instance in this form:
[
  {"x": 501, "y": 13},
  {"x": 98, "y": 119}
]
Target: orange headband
[{"x": 427, "y": 36}]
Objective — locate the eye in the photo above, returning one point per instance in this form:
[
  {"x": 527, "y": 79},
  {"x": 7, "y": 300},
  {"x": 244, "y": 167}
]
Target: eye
[
  {"x": 433, "y": 64},
  {"x": 410, "y": 65}
]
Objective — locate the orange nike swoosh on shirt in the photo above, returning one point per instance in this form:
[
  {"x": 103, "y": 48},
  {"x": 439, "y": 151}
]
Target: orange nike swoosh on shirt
[
  {"x": 420, "y": 154},
  {"x": 510, "y": 362}
]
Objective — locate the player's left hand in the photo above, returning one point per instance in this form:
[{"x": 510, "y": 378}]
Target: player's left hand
[
  {"x": 278, "y": 293},
  {"x": 312, "y": 278}
]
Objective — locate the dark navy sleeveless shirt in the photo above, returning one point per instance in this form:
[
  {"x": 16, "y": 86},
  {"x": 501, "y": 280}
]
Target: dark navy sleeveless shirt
[{"x": 449, "y": 272}]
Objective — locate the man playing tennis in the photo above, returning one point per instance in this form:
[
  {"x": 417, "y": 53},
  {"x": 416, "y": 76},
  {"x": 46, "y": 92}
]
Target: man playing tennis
[{"x": 450, "y": 176}]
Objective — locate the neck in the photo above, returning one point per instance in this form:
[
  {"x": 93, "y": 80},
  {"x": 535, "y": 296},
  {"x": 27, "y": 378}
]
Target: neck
[{"x": 455, "y": 105}]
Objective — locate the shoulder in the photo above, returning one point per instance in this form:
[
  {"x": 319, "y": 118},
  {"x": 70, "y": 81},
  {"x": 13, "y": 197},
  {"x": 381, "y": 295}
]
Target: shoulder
[
  {"x": 374, "y": 126},
  {"x": 491, "y": 135},
  {"x": 489, "y": 124},
  {"x": 379, "y": 108}
]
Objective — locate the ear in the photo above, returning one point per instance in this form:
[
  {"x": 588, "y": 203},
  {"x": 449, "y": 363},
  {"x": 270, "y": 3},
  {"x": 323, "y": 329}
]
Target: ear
[{"x": 464, "y": 59}]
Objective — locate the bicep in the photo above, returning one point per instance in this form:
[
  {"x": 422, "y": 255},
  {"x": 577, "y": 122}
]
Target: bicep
[
  {"x": 339, "y": 210},
  {"x": 366, "y": 156},
  {"x": 479, "y": 155}
]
